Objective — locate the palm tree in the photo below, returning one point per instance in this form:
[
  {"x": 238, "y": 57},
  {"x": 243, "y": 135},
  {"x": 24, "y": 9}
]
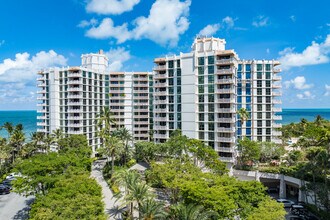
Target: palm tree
[
  {"x": 9, "y": 128},
  {"x": 112, "y": 145},
  {"x": 17, "y": 140},
  {"x": 57, "y": 135},
  {"x": 243, "y": 115},
  {"x": 319, "y": 120},
  {"x": 47, "y": 141},
  {"x": 105, "y": 119},
  {"x": 191, "y": 212},
  {"x": 4, "y": 152},
  {"x": 138, "y": 192},
  {"x": 126, "y": 137},
  {"x": 150, "y": 210}
]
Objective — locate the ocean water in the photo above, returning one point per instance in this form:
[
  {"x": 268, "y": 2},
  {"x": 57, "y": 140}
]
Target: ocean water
[{"x": 29, "y": 118}]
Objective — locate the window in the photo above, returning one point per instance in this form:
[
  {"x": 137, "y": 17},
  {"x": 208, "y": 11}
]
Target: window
[
  {"x": 259, "y": 131},
  {"x": 248, "y": 99},
  {"x": 210, "y": 59},
  {"x": 211, "y": 107},
  {"x": 170, "y": 64},
  {"x": 267, "y": 91},
  {"x": 259, "y": 115},
  {"x": 248, "y": 67},
  {"x": 211, "y": 88},
  {"x": 201, "y": 107},
  {"x": 259, "y": 91},
  {"x": 239, "y": 67},
  {"x": 267, "y": 67},
  {"x": 268, "y": 131},
  {"x": 248, "y": 91},
  {"x": 259, "y": 67},
  {"x": 201, "y": 117},
  {"x": 201, "y": 89},
  {"x": 211, "y": 136},
  {"x": 171, "y": 81},
  {"x": 239, "y": 99},
  {"x": 201, "y": 135},
  {"x": 201, "y": 126},
  {"x": 178, "y": 72},
  {"x": 248, "y": 76},
  {"x": 259, "y": 99},
  {"x": 268, "y": 107},
  {"x": 201, "y": 61},
  {"x": 201, "y": 80},
  {"x": 200, "y": 98},
  {"x": 200, "y": 70},
  {"x": 170, "y": 73},
  {"x": 211, "y": 98},
  {"x": 259, "y": 107},
  {"x": 268, "y": 116},
  {"x": 268, "y": 99},
  {"x": 259, "y": 83},
  {"x": 268, "y": 83},
  {"x": 210, "y": 69},
  {"x": 259, "y": 75},
  {"x": 267, "y": 75},
  {"x": 178, "y": 81},
  {"x": 211, "y": 126},
  {"x": 211, "y": 117},
  {"x": 210, "y": 79},
  {"x": 178, "y": 63},
  {"x": 268, "y": 123},
  {"x": 259, "y": 123}
]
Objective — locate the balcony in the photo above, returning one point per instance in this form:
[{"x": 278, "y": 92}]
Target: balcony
[
  {"x": 277, "y": 70},
  {"x": 41, "y": 78},
  {"x": 41, "y": 91},
  {"x": 276, "y": 86},
  {"x": 75, "y": 110},
  {"x": 41, "y": 104},
  {"x": 225, "y": 110},
  {"x": 42, "y": 117},
  {"x": 160, "y": 85},
  {"x": 141, "y": 103},
  {"x": 226, "y": 71},
  {"x": 277, "y": 125},
  {"x": 277, "y": 133},
  {"x": 75, "y": 82},
  {"x": 159, "y": 127},
  {"x": 75, "y": 125},
  {"x": 277, "y": 117},
  {"x": 160, "y": 76},
  {"x": 75, "y": 117},
  {"x": 226, "y": 120},
  {"x": 225, "y": 61},
  {"x": 70, "y": 96},
  {"x": 277, "y": 78},
  {"x": 277, "y": 109},
  {"x": 42, "y": 130},
  {"x": 41, "y": 110},
  {"x": 75, "y": 89},
  {"x": 41, "y": 124},
  {"x": 225, "y": 100},
  {"x": 162, "y": 136},
  {"x": 225, "y": 149},
  {"x": 41, "y": 97},
  {"x": 225, "y": 139},
  {"x": 160, "y": 93},
  {"x": 276, "y": 93},
  {"x": 159, "y": 102},
  {"x": 277, "y": 141},
  {"x": 276, "y": 101},
  {"x": 224, "y": 91},
  {"x": 72, "y": 74},
  {"x": 160, "y": 68},
  {"x": 75, "y": 103},
  {"x": 224, "y": 81},
  {"x": 221, "y": 129},
  {"x": 75, "y": 132},
  {"x": 164, "y": 110},
  {"x": 41, "y": 85}
]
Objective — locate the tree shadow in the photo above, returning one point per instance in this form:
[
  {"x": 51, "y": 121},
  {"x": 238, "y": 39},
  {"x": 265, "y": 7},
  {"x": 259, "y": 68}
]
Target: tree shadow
[
  {"x": 23, "y": 214},
  {"x": 116, "y": 212}
]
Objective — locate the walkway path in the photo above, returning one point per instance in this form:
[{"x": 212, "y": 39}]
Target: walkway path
[{"x": 112, "y": 207}]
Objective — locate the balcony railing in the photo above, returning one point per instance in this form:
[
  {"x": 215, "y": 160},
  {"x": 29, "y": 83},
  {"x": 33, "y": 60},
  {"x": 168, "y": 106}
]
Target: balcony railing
[
  {"x": 225, "y": 100},
  {"x": 226, "y": 120},
  {"x": 221, "y": 129},
  {"x": 224, "y": 81},
  {"x": 225, "y": 139},
  {"x": 71, "y": 74},
  {"x": 277, "y": 117},
  {"x": 277, "y": 94},
  {"x": 226, "y": 71},
  {"x": 277, "y": 125},
  {"x": 225, "y": 149},
  {"x": 224, "y": 91},
  {"x": 160, "y": 67},
  {"x": 276, "y": 101},
  {"x": 225, "y": 61},
  {"x": 277, "y": 78},
  {"x": 226, "y": 110}
]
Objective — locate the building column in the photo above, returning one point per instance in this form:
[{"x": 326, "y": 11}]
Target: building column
[
  {"x": 301, "y": 193},
  {"x": 282, "y": 187}
]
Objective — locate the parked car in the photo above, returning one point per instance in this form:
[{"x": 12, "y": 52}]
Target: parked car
[
  {"x": 4, "y": 189},
  {"x": 13, "y": 176},
  {"x": 298, "y": 210},
  {"x": 287, "y": 203},
  {"x": 7, "y": 183}
]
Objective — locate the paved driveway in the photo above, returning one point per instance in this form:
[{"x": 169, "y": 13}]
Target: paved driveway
[{"x": 14, "y": 206}]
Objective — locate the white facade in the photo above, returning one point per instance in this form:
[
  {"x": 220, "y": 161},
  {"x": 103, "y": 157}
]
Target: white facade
[
  {"x": 72, "y": 97},
  {"x": 200, "y": 92}
]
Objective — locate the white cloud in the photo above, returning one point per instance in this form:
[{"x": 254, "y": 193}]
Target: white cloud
[
  {"x": 85, "y": 23},
  {"x": 108, "y": 7},
  {"x": 293, "y": 18},
  {"x": 305, "y": 95},
  {"x": 260, "y": 21},
  {"x": 24, "y": 69},
  {"x": 229, "y": 21},
  {"x": 107, "y": 30},
  {"x": 209, "y": 30},
  {"x": 167, "y": 20},
  {"x": 18, "y": 75},
  {"x": 117, "y": 57},
  {"x": 327, "y": 90},
  {"x": 267, "y": 50},
  {"x": 317, "y": 53},
  {"x": 2, "y": 42},
  {"x": 298, "y": 83}
]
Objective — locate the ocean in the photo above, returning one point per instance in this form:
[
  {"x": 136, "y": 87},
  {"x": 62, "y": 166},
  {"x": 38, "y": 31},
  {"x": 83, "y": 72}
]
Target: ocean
[{"x": 29, "y": 118}]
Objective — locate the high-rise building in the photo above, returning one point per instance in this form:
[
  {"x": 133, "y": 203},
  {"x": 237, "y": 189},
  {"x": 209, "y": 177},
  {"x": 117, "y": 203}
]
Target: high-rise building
[
  {"x": 200, "y": 92},
  {"x": 72, "y": 97}
]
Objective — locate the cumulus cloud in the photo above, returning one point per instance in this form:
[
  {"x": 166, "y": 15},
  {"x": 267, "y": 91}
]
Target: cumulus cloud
[
  {"x": 209, "y": 30},
  {"x": 114, "y": 7},
  {"x": 305, "y": 95},
  {"x": 327, "y": 90},
  {"x": 107, "y": 30},
  {"x": 298, "y": 83},
  {"x": 317, "y": 53},
  {"x": 85, "y": 23},
  {"x": 117, "y": 56},
  {"x": 261, "y": 21},
  {"x": 167, "y": 20},
  {"x": 18, "y": 75}
]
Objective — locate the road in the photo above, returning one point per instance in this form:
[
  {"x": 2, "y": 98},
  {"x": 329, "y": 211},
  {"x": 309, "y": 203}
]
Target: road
[{"x": 14, "y": 206}]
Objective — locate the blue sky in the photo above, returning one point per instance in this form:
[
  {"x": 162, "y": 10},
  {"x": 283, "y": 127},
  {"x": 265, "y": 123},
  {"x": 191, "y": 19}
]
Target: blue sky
[{"x": 38, "y": 34}]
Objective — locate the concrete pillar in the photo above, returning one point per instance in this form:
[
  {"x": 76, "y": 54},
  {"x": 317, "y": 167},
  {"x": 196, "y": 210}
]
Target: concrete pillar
[
  {"x": 301, "y": 194},
  {"x": 282, "y": 187}
]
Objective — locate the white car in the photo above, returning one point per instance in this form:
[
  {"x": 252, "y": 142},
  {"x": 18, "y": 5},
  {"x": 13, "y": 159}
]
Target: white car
[{"x": 287, "y": 203}]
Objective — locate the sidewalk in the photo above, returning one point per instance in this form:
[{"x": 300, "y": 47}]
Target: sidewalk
[{"x": 112, "y": 207}]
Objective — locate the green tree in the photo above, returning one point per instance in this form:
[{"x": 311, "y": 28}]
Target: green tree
[
  {"x": 146, "y": 151},
  {"x": 9, "y": 128},
  {"x": 16, "y": 141},
  {"x": 152, "y": 210},
  {"x": 243, "y": 115},
  {"x": 191, "y": 212},
  {"x": 270, "y": 151},
  {"x": 249, "y": 152},
  {"x": 112, "y": 146},
  {"x": 268, "y": 209},
  {"x": 126, "y": 137}
]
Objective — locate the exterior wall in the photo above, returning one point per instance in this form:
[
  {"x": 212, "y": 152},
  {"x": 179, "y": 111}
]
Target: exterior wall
[{"x": 215, "y": 83}]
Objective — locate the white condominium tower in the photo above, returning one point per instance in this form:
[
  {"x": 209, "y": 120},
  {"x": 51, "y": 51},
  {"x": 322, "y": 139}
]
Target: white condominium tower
[
  {"x": 72, "y": 97},
  {"x": 200, "y": 93}
]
